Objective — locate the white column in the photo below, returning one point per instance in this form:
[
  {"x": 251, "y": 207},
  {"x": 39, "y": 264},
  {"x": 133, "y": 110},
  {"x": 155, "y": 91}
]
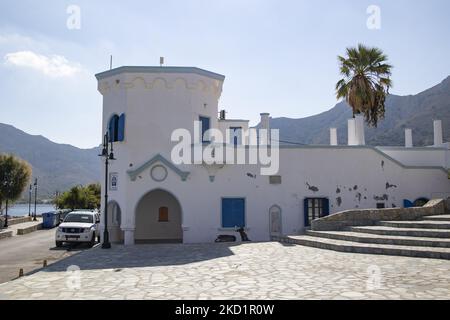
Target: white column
[
  {"x": 408, "y": 138},
  {"x": 359, "y": 130},
  {"x": 128, "y": 236},
  {"x": 438, "y": 140},
  {"x": 351, "y": 139},
  {"x": 333, "y": 137}
]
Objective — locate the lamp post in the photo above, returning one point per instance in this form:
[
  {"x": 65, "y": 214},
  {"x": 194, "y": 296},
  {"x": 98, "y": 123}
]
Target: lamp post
[
  {"x": 35, "y": 198},
  {"x": 6, "y": 215},
  {"x": 108, "y": 154},
  {"x": 29, "y": 200},
  {"x": 56, "y": 199}
]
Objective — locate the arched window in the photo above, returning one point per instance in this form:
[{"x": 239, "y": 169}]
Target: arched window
[
  {"x": 163, "y": 214},
  {"x": 116, "y": 128}
]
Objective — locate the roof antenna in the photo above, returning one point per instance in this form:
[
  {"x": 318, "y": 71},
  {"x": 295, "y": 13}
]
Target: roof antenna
[
  {"x": 161, "y": 61},
  {"x": 110, "y": 63}
]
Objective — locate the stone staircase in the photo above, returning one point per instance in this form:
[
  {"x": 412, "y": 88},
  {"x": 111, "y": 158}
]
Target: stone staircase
[{"x": 426, "y": 236}]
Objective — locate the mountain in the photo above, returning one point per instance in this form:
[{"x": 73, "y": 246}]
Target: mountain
[
  {"x": 414, "y": 111},
  {"x": 57, "y": 166}
]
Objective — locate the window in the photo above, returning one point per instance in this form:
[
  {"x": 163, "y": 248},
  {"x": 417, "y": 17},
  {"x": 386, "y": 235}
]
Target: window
[
  {"x": 77, "y": 217},
  {"x": 236, "y": 135},
  {"x": 381, "y": 205},
  {"x": 315, "y": 208},
  {"x": 204, "y": 127},
  {"x": 233, "y": 212},
  {"x": 116, "y": 128},
  {"x": 163, "y": 214}
]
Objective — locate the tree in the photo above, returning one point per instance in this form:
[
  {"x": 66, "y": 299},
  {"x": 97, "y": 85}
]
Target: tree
[
  {"x": 15, "y": 175},
  {"x": 80, "y": 197},
  {"x": 93, "y": 192},
  {"x": 366, "y": 82}
]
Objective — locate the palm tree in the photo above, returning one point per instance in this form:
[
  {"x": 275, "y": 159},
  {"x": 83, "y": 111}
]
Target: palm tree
[{"x": 366, "y": 82}]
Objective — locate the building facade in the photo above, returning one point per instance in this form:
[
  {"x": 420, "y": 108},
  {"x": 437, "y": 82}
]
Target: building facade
[{"x": 156, "y": 199}]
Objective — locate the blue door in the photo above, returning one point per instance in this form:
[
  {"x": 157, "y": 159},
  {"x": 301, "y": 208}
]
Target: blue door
[
  {"x": 315, "y": 208},
  {"x": 233, "y": 212}
]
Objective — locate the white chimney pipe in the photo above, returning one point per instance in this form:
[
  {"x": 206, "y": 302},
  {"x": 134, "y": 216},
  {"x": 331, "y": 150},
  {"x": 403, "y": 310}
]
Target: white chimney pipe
[
  {"x": 265, "y": 124},
  {"x": 351, "y": 128},
  {"x": 359, "y": 130},
  {"x": 438, "y": 140},
  {"x": 333, "y": 137},
  {"x": 408, "y": 138}
]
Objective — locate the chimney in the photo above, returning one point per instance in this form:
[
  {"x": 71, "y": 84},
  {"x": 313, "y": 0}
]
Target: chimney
[
  {"x": 408, "y": 138},
  {"x": 333, "y": 137},
  {"x": 438, "y": 140},
  {"x": 359, "y": 126},
  {"x": 265, "y": 124},
  {"x": 356, "y": 131},
  {"x": 351, "y": 137}
]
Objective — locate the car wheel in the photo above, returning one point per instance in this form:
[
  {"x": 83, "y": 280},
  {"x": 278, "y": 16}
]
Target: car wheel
[
  {"x": 59, "y": 244},
  {"x": 92, "y": 243}
]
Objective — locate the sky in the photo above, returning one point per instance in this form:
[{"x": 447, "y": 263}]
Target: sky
[{"x": 278, "y": 56}]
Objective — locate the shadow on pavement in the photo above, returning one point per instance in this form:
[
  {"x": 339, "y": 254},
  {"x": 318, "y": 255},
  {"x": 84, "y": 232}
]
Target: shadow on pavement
[{"x": 144, "y": 255}]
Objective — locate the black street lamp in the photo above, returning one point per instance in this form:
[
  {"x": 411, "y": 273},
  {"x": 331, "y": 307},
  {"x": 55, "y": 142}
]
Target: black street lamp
[
  {"x": 6, "y": 216},
  {"x": 56, "y": 199},
  {"x": 29, "y": 200},
  {"x": 108, "y": 154},
  {"x": 35, "y": 198}
]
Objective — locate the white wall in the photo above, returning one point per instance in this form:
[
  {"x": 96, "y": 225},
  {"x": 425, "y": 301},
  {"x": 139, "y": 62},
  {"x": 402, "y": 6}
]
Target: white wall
[
  {"x": 350, "y": 177},
  {"x": 335, "y": 172},
  {"x": 422, "y": 156}
]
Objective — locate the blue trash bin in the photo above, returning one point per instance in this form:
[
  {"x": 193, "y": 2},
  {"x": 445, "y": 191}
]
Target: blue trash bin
[{"x": 49, "y": 219}]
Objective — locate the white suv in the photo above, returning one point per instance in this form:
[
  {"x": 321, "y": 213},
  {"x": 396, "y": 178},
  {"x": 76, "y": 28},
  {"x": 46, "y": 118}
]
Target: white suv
[{"x": 78, "y": 226}]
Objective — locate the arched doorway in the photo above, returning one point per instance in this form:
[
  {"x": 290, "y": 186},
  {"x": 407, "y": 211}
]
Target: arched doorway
[
  {"x": 420, "y": 202},
  {"x": 158, "y": 218},
  {"x": 275, "y": 221},
  {"x": 114, "y": 221}
]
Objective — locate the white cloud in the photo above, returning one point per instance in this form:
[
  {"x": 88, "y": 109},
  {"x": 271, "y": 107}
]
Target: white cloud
[{"x": 53, "y": 65}]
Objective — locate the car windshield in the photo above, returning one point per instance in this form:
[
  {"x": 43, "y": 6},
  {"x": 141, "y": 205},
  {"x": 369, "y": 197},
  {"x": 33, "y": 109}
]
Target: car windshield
[{"x": 79, "y": 218}]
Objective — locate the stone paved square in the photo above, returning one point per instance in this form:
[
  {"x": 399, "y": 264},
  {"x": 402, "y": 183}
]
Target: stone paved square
[{"x": 233, "y": 271}]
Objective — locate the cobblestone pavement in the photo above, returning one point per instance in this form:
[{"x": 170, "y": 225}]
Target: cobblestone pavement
[{"x": 242, "y": 271}]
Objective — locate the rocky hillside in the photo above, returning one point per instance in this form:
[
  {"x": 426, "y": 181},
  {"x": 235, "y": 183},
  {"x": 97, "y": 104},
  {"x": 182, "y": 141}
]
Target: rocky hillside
[
  {"x": 57, "y": 166},
  {"x": 415, "y": 111}
]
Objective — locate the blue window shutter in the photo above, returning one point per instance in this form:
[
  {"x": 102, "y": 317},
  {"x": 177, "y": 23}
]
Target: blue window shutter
[
  {"x": 305, "y": 211},
  {"x": 111, "y": 129},
  {"x": 239, "y": 212},
  {"x": 326, "y": 207},
  {"x": 226, "y": 213},
  {"x": 121, "y": 128},
  {"x": 233, "y": 213},
  {"x": 205, "y": 127}
]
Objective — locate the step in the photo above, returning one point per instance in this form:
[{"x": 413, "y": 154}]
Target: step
[
  {"x": 381, "y": 239},
  {"x": 5, "y": 234},
  {"x": 442, "y": 217},
  {"x": 13, "y": 221},
  {"x": 29, "y": 229},
  {"x": 367, "y": 248},
  {"x": 407, "y": 232},
  {"x": 416, "y": 224}
]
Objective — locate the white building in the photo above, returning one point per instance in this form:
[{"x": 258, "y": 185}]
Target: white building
[{"x": 152, "y": 199}]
